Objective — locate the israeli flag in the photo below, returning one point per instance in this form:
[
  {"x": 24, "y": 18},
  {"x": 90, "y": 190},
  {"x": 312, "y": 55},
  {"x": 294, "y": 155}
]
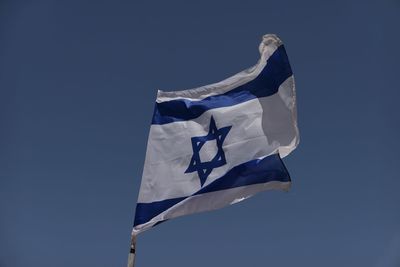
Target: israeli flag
[{"x": 219, "y": 144}]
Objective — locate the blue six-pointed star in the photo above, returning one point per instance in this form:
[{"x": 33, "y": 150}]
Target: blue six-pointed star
[{"x": 205, "y": 168}]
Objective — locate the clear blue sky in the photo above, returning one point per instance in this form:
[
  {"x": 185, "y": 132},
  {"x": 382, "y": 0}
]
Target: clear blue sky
[{"x": 77, "y": 87}]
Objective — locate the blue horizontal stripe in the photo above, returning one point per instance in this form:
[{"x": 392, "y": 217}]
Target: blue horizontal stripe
[
  {"x": 276, "y": 71},
  {"x": 257, "y": 171}
]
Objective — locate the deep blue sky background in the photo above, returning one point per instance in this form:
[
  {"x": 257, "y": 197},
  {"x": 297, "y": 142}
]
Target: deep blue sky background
[{"x": 77, "y": 87}]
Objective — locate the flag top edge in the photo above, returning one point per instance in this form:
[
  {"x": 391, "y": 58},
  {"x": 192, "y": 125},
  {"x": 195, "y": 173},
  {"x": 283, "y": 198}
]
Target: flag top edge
[{"x": 268, "y": 45}]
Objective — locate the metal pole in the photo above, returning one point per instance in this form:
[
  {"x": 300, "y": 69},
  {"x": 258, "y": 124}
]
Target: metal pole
[{"x": 132, "y": 252}]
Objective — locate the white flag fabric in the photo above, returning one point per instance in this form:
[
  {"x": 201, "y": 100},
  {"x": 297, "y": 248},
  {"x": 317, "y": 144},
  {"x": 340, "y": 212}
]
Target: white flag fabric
[{"x": 219, "y": 144}]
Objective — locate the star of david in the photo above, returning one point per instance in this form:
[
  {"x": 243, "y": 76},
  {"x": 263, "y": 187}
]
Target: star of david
[{"x": 205, "y": 168}]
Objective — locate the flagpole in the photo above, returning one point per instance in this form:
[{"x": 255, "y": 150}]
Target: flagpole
[{"x": 132, "y": 252}]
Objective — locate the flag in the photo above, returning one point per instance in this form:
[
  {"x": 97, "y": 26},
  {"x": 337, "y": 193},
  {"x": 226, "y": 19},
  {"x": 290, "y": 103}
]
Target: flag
[{"x": 219, "y": 144}]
